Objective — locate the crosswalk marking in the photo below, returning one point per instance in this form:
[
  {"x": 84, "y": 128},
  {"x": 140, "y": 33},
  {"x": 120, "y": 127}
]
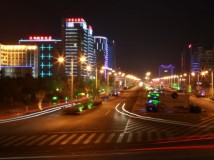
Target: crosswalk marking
[
  {"x": 24, "y": 141},
  {"x": 46, "y": 140},
  {"x": 206, "y": 121},
  {"x": 98, "y": 140},
  {"x": 86, "y": 138},
  {"x": 36, "y": 140},
  {"x": 89, "y": 138},
  {"x": 61, "y": 139},
  {"x": 58, "y": 139},
  {"x": 7, "y": 139},
  {"x": 13, "y": 141},
  {"x": 130, "y": 136},
  {"x": 110, "y": 138},
  {"x": 79, "y": 139},
  {"x": 120, "y": 138},
  {"x": 68, "y": 139}
]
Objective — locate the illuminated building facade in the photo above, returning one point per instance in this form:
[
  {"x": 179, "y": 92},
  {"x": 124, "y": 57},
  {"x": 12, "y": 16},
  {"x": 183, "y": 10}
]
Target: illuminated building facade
[
  {"x": 207, "y": 60},
  {"x": 16, "y": 58},
  {"x": 101, "y": 50},
  {"x": 77, "y": 39},
  {"x": 112, "y": 55},
  {"x": 48, "y": 51},
  {"x": 166, "y": 70},
  {"x": 195, "y": 52}
]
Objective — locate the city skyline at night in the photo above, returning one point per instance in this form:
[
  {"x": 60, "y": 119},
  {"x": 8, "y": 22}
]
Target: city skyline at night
[{"x": 147, "y": 35}]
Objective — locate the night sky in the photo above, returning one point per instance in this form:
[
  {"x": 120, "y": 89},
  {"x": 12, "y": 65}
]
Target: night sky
[{"x": 147, "y": 33}]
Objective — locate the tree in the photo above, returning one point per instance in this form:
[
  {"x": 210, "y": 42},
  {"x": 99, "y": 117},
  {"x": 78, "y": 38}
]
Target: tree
[{"x": 40, "y": 95}]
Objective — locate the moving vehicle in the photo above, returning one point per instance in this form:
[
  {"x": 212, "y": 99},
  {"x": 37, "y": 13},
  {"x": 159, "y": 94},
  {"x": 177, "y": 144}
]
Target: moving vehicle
[
  {"x": 152, "y": 104},
  {"x": 151, "y": 107}
]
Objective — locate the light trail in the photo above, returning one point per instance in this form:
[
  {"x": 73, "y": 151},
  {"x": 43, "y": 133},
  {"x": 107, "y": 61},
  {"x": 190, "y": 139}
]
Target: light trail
[
  {"x": 133, "y": 115},
  {"x": 35, "y": 114}
]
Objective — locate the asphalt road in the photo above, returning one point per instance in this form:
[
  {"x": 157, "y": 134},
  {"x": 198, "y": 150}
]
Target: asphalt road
[{"x": 111, "y": 130}]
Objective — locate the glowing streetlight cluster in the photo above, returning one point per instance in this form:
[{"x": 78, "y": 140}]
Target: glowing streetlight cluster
[
  {"x": 82, "y": 59},
  {"x": 188, "y": 80}
]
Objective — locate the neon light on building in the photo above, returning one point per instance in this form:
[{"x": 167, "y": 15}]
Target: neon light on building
[
  {"x": 48, "y": 49},
  {"x": 78, "y": 41},
  {"x": 40, "y": 38},
  {"x": 101, "y": 50}
]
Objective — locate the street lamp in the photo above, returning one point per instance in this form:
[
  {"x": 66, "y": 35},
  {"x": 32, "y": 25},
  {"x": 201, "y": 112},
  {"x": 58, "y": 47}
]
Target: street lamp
[
  {"x": 189, "y": 80},
  {"x": 61, "y": 60},
  {"x": 212, "y": 89},
  {"x": 107, "y": 88}
]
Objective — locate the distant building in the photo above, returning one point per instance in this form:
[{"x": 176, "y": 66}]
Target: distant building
[
  {"x": 185, "y": 61},
  {"x": 166, "y": 70},
  {"x": 193, "y": 59},
  {"x": 112, "y": 55},
  {"x": 207, "y": 60},
  {"x": 49, "y": 50},
  {"x": 17, "y": 60},
  {"x": 16, "y": 71},
  {"x": 101, "y": 51},
  {"x": 77, "y": 41}
]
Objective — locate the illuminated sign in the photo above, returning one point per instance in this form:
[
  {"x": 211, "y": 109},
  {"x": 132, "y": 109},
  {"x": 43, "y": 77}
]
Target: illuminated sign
[
  {"x": 40, "y": 38},
  {"x": 75, "y": 20}
]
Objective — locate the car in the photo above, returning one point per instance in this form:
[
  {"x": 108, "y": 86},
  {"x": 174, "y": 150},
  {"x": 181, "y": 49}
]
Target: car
[
  {"x": 72, "y": 109},
  {"x": 105, "y": 98},
  {"x": 151, "y": 107},
  {"x": 193, "y": 108}
]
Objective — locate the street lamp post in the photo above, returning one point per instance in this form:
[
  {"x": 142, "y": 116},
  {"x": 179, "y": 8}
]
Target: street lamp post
[
  {"x": 108, "y": 74},
  {"x": 61, "y": 60},
  {"x": 96, "y": 84},
  {"x": 72, "y": 79},
  {"x": 212, "y": 81}
]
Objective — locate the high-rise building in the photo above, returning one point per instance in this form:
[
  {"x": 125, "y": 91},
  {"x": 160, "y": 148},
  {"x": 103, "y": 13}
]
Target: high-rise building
[
  {"x": 195, "y": 58},
  {"x": 77, "y": 38},
  {"x": 185, "y": 61},
  {"x": 191, "y": 58},
  {"x": 101, "y": 51},
  {"x": 49, "y": 50},
  {"x": 17, "y": 60},
  {"x": 207, "y": 60},
  {"x": 112, "y": 55}
]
